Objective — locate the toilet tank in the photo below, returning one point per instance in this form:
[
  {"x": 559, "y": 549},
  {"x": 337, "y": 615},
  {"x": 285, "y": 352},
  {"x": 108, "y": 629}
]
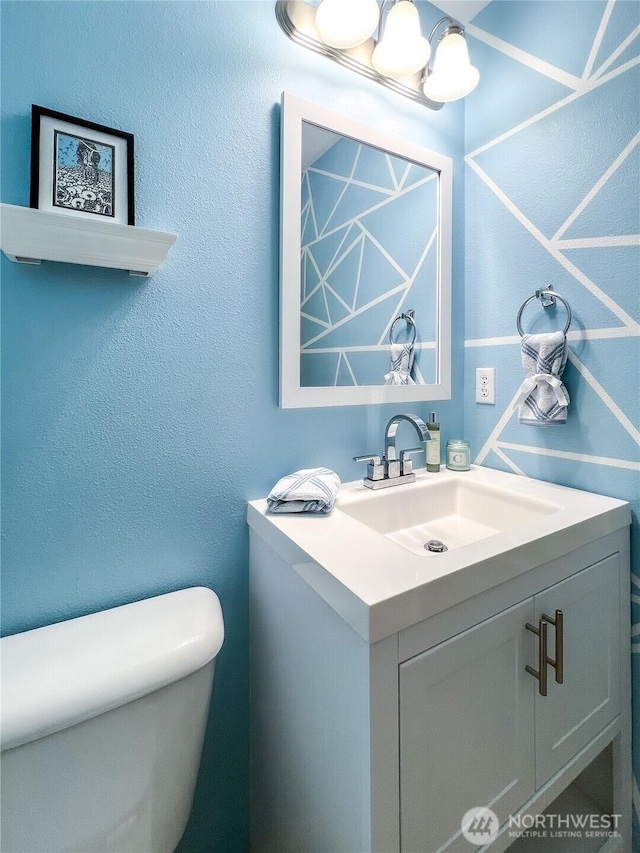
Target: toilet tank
[{"x": 102, "y": 721}]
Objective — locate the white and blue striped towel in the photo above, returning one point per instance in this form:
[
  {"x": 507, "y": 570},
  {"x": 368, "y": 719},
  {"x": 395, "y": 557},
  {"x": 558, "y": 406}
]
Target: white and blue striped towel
[
  {"x": 401, "y": 365},
  {"x": 309, "y": 490},
  {"x": 543, "y": 400}
]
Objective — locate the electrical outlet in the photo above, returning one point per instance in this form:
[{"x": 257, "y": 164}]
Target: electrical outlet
[{"x": 486, "y": 385}]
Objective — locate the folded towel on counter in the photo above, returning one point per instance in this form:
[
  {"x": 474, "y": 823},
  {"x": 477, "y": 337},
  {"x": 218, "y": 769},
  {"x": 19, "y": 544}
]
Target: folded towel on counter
[
  {"x": 401, "y": 365},
  {"x": 309, "y": 490},
  {"x": 543, "y": 400}
]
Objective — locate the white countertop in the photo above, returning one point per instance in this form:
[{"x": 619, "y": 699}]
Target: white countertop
[{"x": 379, "y": 587}]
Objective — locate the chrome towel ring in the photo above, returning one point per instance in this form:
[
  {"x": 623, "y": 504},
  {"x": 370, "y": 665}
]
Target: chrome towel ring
[
  {"x": 408, "y": 318},
  {"x": 548, "y": 298}
]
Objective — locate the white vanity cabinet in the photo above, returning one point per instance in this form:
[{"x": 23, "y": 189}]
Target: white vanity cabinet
[
  {"x": 573, "y": 713},
  {"x": 474, "y": 727},
  {"x": 467, "y": 729},
  {"x": 382, "y": 712}
]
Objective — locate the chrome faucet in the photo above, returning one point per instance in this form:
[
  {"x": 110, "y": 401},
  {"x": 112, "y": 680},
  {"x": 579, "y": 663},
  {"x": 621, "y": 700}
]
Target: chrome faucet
[{"x": 388, "y": 470}]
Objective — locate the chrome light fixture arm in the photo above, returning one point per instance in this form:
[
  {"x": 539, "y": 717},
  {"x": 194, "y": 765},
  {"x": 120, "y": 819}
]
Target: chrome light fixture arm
[{"x": 384, "y": 11}]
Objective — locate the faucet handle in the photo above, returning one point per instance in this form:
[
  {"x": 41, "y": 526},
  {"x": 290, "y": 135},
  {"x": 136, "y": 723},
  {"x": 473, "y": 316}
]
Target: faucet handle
[
  {"x": 406, "y": 463},
  {"x": 375, "y": 468}
]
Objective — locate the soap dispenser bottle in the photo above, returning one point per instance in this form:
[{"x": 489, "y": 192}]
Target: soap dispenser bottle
[{"x": 433, "y": 446}]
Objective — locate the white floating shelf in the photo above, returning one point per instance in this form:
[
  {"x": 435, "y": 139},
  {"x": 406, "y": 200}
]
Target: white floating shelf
[{"x": 28, "y": 236}]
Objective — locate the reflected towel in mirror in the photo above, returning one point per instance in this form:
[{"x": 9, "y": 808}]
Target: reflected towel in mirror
[{"x": 401, "y": 365}]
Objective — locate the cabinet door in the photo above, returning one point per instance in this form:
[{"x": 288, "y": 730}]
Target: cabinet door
[
  {"x": 573, "y": 713},
  {"x": 466, "y": 731}
]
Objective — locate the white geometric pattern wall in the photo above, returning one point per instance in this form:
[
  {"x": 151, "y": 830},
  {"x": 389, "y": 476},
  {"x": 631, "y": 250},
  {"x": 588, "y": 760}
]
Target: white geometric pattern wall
[
  {"x": 369, "y": 252},
  {"x": 552, "y": 197}
]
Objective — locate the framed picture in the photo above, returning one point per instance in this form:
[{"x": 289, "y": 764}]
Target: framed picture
[{"x": 81, "y": 168}]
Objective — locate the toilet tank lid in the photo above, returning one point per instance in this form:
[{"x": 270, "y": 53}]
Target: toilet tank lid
[{"x": 62, "y": 674}]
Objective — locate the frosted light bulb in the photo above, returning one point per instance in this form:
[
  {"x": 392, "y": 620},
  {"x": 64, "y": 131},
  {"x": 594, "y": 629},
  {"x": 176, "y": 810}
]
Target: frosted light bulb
[
  {"x": 346, "y": 23},
  {"x": 453, "y": 77},
  {"x": 403, "y": 50}
]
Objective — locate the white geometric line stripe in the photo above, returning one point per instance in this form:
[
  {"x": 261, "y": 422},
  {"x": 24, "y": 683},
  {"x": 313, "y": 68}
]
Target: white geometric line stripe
[
  {"x": 358, "y": 274},
  {"x": 425, "y": 253},
  {"x": 577, "y": 457},
  {"x": 419, "y": 345},
  {"x": 345, "y": 188},
  {"x": 597, "y": 187},
  {"x": 410, "y": 282},
  {"x": 311, "y": 207},
  {"x": 308, "y": 297},
  {"x": 599, "y": 242},
  {"x": 613, "y": 407},
  {"x": 528, "y": 59},
  {"x": 314, "y": 319},
  {"x": 509, "y": 462},
  {"x": 402, "y": 288},
  {"x": 346, "y": 361},
  {"x": 578, "y": 335},
  {"x": 335, "y": 378},
  {"x": 490, "y": 442},
  {"x": 591, "y": 84},
  {"x": 375, "y": 207},
  {"x": 565, "y": 262},
  {"x": 392, "y": 173},
  {"x": 383, "y": 251},
  {"x": 352, "y": 181},
  {"x": 405, "y": 175},
  {"x": 315, "y": 266},
  {"x": 335, "y": 262},
  {"x": 595, "y": 47},
  {"x": 616, "y": 53},
  {"x": 337, "y": 296}
]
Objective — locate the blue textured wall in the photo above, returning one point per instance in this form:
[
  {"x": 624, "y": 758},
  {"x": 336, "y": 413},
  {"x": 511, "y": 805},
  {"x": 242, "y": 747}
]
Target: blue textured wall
[
  {"x": 552, "y": 197},
  {"x": 139, "y": 416}
]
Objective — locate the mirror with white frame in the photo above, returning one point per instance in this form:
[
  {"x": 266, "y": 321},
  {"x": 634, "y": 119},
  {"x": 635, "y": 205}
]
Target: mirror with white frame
[{"x": 365, "y": 240}]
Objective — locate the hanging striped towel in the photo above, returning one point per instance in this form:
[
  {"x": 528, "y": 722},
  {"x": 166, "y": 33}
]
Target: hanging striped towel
[
  {"x": 401, "y": 365},
  {"x": 543, "y": 400},
  {"x": 308, "y": 490}
]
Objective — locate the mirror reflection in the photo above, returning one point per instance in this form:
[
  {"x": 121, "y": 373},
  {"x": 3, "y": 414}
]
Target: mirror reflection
[
  {"x": 368, "y": 264},
  {"x": 365, "y": 263}
]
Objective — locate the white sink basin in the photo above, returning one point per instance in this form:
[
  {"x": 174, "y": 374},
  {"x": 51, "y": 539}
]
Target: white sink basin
[
  {"x": 367, "y": 559},
  {"x": 456, "y": 511}
]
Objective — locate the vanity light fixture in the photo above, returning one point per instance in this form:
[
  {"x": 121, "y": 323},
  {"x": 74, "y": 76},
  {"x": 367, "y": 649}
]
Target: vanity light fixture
[
  {"x": 397, "y": 56},
  {"x": 453, "y": 76}
]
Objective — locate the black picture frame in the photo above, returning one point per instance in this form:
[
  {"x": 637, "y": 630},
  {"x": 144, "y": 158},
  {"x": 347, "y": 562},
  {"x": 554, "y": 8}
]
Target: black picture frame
[{"x": 81, "y": 168}]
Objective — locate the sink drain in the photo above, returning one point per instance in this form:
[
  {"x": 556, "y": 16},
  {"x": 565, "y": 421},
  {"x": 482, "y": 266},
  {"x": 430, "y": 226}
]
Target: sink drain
[{"x": 436, "y": 546}]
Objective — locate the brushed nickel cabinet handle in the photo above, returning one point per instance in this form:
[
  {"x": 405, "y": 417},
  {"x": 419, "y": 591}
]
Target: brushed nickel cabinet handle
[
  {"x": 558, "y": 662},
  {"x": 541, "y": 672}
]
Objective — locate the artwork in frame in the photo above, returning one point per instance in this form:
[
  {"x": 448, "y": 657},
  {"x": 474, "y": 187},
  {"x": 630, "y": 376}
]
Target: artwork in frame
[{"x": 81, "y": 168}]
